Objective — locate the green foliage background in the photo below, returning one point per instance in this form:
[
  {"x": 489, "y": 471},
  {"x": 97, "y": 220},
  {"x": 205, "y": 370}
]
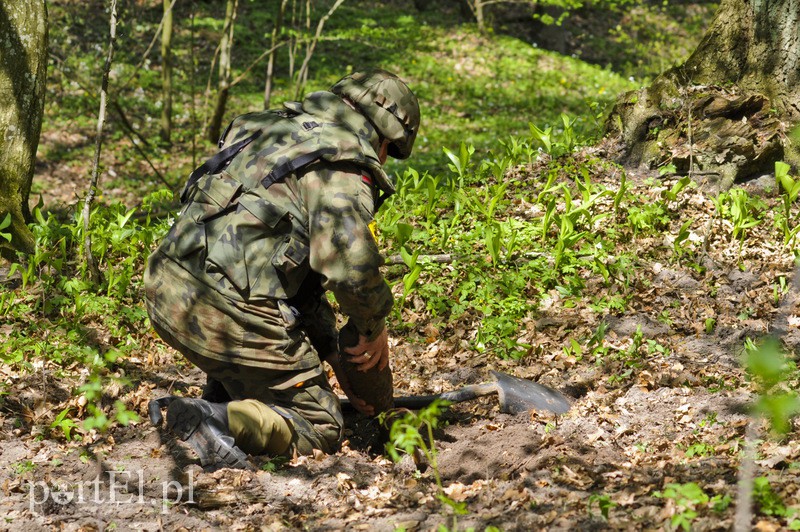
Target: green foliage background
[{"x": 479, "y": 91}]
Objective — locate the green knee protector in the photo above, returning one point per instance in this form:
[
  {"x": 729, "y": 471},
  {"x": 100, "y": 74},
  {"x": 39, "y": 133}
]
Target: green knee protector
[{"x": 257, "y": 428}]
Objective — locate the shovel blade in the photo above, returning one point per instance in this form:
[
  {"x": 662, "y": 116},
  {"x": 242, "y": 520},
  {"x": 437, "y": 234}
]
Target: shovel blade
[{"x": 518, "y": 396}]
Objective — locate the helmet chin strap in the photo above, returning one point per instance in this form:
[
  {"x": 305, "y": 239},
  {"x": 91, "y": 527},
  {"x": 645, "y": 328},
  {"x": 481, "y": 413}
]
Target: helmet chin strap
[
  {"x": 383, "y": 153},
  {"x": 349, "y": 102}
]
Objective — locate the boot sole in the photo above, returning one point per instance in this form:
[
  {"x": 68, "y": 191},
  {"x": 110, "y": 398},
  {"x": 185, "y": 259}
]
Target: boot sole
[{"x": 186, "y": 421}]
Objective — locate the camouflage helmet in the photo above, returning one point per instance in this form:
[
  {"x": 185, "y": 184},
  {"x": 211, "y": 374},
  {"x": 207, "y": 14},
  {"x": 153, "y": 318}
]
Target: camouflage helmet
[{"x": 388, "y": 103}]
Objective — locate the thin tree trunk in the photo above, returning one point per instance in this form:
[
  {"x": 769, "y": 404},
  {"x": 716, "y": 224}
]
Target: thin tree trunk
[
  {"x": 293, "y": 45},
  {"x": 479, "y": 14},
  {"x": 23, "y": 70},
  {"x": 226, "y": 44},
  {"x": 476, "y": 9},
  {"x": 91, "y": 266},
  {"x": 166, "y": 73},
  {"x": 146, "y": 53},
  {"x": 276, "y": 31},
  {"x": 193, "y": 105},
  {"x": 303, "y": 74}
]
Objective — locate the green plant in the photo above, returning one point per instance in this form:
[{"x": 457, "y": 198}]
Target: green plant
[
  {"x": 556, "y": 143},
  {"x": 26, "y": 466},
  {"x": 414, "y": 271},
  {"x": 596, "y": 344},
  {"x": 699, "y": 449},
  {"x": 64, "y": 423},
  {"x": 637, "y": 340},
  {"x": 621, "y": 193},
  {"x": 688, "y": 499},
  {"x": 667, "y": 169},
  {"x": 648, "y": 217},
  {"x": 768, "y": 366},
  {"x": 574, "y": 216},
  {"x": 413, "y": 432},
  {"x": 681, "y": 237},
  {"x": 710, "y": 420},
  {"x": 769, "y": 503},
  {"x": 672, "y": 193},
  {"x": 741, "y": 209},
  {"x": 274, "y": 463},
  {"x": 604, "y": 504},
  {"x": 654, "y": 347},
  {"x": 779, "y": 289},
  {"x": 4, "y": 225},
  {"x": 494, "y": 236},
  {"x": 460, "y": 163},
  {"x": 791, "y": 189}
]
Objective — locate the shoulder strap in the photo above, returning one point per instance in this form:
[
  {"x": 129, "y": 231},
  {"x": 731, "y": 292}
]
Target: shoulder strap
[
  {"x": 217, "y": 162},
  {"x": 282, "y": 170}
]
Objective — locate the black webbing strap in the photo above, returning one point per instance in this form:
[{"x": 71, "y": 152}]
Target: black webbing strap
[
  {"x": 382, "y": 196},
  {"x": 217, "y": 162},
  {"x": 282, "y": 170}
]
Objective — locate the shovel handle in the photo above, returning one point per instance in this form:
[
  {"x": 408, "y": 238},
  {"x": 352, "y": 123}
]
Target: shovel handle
[{"x": 415, "y": 402}]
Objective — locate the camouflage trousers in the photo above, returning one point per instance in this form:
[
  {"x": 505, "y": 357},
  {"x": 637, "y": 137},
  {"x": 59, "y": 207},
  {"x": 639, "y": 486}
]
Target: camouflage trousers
[
  {"x": 265, "y": 362},
  {"x": 310, "y": 410}
]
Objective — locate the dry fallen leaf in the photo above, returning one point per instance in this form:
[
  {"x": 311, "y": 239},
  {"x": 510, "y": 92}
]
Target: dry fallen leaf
[{"x": 344, "y": 482}]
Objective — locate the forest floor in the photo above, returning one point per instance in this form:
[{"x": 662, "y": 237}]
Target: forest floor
[{"x": 666, "y": 406}]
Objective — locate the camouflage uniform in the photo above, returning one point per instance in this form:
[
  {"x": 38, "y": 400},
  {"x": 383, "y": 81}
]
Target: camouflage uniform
[{"x": 238, "y": 283}]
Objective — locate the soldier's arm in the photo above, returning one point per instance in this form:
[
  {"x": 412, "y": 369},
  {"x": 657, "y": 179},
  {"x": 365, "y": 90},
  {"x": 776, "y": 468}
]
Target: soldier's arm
[
  {"x": 340, "y": 204},
  {"x": 319, "y": 321}
]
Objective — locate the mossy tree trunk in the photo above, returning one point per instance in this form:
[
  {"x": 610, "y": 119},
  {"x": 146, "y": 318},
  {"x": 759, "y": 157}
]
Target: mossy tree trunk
[
  {"x": 723, "y": 115},
  {"x": 756, "y": 45},
  {"x": 23, "y": 69}
]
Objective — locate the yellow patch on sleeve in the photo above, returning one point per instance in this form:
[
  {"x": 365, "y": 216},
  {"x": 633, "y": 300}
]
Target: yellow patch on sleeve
[{"x": 373, "y": 228}]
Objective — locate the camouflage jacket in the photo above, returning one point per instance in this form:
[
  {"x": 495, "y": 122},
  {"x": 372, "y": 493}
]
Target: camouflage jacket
[{"x": 255, "y": 244}]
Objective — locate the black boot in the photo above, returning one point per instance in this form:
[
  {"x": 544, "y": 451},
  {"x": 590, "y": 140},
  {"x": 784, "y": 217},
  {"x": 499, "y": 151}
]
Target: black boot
[{"x": 204, "y": 426}]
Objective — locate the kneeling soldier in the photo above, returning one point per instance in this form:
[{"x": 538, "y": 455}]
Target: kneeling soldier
[{"x": 279, "y": 216}]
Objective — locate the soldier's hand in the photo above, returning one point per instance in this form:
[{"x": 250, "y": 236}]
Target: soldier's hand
[{"x": 367, "y": 355}]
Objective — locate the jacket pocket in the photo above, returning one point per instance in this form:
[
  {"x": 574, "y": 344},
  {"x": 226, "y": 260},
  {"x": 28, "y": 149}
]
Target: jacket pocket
[
  {"x": 290, "y": 262},
  {"x": 208, "y": 200},
  {"x": 241, "y": 246}
]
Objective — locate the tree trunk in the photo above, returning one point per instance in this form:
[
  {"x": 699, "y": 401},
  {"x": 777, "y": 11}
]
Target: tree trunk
[
  {"x": 277, "y": 30},
  {"x": 226, "y": 44},
  {"x": 724, "y": 113},
  {"x": 476, "y": 8},
  {"x": 23, "y": 70},
  {"x": 91, "y": 265},
  {"x": 302, "y": 77},
  {"x": 756, "y": 45},
  {"x": 166, "y": 73}
]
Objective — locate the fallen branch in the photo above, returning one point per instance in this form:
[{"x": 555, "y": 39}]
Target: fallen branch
[
  {"x": 442, "y": 259},
  {"x": 446, "y": 258}
]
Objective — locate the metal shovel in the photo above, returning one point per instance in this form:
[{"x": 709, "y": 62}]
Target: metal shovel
[{"x": 516, "y": 396}]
